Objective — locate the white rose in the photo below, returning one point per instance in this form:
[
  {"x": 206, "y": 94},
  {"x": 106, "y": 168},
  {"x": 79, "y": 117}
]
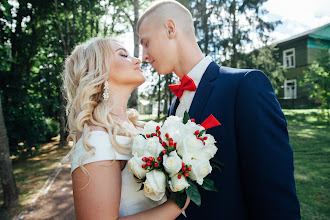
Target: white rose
[
  {"x": 189, "y": 147},
  {"x": 210, "y": 140},
  {"x": 191, "y": 127},
  {"x": 172, "y": 120},
  {"x": 153, "y": 147},
  {"x": 155, "y": 185},
  {"x": 150, "y": 127},
  {"x": 139, "y": 144},
  {"x": 177, "y": 184},
  {"x": 174, "y": 127},
  {"x": 199, "y": 170},
  {"x": 211, "y": 150},
  {"x": 207, "y": 153},
  {"x": 172, "y": 163},
  {"x": 135, "y": 166}
]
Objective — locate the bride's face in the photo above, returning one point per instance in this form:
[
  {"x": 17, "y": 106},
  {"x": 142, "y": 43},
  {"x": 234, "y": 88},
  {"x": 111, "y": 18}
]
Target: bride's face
[{"x": 125, "y": 69}]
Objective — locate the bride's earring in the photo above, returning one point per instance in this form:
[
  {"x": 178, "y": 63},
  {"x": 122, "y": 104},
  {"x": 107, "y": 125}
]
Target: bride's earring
[{"x": 106, "y": 91}]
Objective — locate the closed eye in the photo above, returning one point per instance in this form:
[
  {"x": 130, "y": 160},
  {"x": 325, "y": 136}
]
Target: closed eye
[{"x": 124, "y": 55}]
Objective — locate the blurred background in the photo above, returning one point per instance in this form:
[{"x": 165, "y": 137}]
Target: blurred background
[{"x": 289, "y": 40}]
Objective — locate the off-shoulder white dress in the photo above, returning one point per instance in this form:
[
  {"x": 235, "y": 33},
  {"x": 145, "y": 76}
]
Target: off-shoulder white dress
[{"x": 132, "y": 200}]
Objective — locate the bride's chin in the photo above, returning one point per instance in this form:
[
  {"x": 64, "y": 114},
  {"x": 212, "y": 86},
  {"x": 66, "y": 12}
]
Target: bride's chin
[
  {"x": 143, "y": 79},
  {"x": 140, "y": 82}
]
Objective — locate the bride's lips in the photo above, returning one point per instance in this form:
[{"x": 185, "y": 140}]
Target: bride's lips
[
  {"x": 138, "y": 68},
  {"x": 152, "y": 63}
]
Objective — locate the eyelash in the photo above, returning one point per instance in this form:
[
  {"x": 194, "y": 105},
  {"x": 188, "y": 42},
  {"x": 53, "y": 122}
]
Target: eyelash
[{"x": 123, "y": 55}]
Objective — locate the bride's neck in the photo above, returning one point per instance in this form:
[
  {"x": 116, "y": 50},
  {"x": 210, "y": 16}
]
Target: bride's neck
[{"x": 120, "y": 98}]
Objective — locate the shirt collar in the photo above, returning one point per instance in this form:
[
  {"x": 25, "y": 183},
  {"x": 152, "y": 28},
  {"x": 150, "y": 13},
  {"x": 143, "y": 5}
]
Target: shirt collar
[{"x": 197, "y": 72}]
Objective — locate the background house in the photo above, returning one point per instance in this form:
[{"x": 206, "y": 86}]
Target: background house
[{"x": 298, "y": 53}]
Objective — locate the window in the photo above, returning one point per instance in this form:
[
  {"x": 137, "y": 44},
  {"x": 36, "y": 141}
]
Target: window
[
  {"x": 289, "y": 58},
  {"x": 290, "y": 89}
]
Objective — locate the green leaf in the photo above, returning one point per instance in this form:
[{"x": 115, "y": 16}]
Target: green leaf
[
  {"x": 193, "y": 193},
  {"x": 215, "y": 165},
  {"x": 180, "y": 199},
  {"x": 143, "y": 136},
  {"x": 167, "y": 179},
  {"x": 185, "y": 117},
  {"x": 167, "y": 193},
  {"x": 208, "y": 184},
  {"x": 141, "y": 188},
  {"x": 201, "y": 133},
  {"x": 215, "y": 160}
]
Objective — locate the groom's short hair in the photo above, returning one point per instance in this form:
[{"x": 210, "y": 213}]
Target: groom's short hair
[{"x": 160, "y": 9}]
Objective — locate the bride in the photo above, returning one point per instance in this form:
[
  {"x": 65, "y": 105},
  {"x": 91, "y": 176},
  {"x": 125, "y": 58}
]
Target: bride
[{"x": 98, "y": 79}]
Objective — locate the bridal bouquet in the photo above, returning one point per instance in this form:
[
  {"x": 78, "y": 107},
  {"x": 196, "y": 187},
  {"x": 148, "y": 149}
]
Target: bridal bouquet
[{"x": 174, "y": 157}]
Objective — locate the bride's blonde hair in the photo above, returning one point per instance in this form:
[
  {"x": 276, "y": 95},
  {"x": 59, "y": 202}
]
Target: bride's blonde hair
[{"x": 84, "y": 75}]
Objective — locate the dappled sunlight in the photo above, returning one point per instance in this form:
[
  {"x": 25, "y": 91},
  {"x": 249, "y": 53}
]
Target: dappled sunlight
[
  {"x": 18, "y": 171},
  {"x": 302, "y": 177},
  {"x": 306, "y": 133},
  {"x": 326, "y": 149}
]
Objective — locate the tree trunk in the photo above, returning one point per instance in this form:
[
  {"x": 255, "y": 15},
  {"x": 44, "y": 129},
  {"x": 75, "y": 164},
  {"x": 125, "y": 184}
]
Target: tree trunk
[
  {"x": 234, "y": 37},
  {"x": 205, "y": 28},
  {"x": 10, "y": 191},
  {"x": 159, "y": 97},
  {"x": 65, "y": 45},
  {"x": 134, "y": 100},
  {"x": 63, "y": 132},
  {"x": 166, "y": 91}
]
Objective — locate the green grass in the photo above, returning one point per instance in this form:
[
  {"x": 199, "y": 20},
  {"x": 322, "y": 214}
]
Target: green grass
[{"x": 310, "y": 141}]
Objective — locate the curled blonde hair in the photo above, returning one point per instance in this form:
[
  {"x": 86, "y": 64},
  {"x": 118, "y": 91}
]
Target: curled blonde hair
[{"x": 84, "y": 75}]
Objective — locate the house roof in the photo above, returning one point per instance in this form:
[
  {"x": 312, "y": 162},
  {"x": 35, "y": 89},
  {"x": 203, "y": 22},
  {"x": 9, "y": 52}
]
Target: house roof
[{"x": 303, "y": 34}]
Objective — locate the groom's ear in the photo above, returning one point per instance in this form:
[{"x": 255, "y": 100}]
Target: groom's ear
[{"x": 170, "y": 28}]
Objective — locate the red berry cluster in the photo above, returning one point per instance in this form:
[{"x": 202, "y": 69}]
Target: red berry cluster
[
  {"x": 184, "y": 171},
  {"x": 197, "y": 134},
  {"x": 155, "y": 134},
  {"x": 171, "y": 144},
  {"x": 150, "y": 162}
]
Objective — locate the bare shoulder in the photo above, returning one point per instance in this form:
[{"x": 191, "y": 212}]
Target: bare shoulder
[{"x": 97, "y": 195}]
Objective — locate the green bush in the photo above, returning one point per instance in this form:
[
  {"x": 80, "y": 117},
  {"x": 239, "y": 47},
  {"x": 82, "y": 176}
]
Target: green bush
[
  {"x": 53, "y": 128},
  {"x": 27, "y": 129}
]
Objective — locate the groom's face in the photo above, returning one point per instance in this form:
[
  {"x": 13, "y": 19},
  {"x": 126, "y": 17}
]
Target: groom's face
[{"x": 158, "y": 49}]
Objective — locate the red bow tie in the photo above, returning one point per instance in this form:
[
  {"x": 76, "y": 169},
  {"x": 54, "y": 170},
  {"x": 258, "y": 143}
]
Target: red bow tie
[{"x": 186, "y": 84}]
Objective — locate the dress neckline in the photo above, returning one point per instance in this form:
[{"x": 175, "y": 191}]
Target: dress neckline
[{"x": 104, "y": 132}]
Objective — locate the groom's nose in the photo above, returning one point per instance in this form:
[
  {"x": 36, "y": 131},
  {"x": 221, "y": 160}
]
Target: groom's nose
[
  {"x": 136, "y": 61},
  {"x": 145, "y": 55}
]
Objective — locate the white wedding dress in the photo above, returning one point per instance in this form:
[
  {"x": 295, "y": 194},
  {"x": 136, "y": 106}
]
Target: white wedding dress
[{"x": 132, "y": 200}]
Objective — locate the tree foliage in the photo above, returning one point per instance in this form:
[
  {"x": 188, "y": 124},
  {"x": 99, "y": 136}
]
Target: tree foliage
[
  {"x": 35, "y": 39},
  {"x": 317, "y": 81},
  {"x": 266, "y": 60}
]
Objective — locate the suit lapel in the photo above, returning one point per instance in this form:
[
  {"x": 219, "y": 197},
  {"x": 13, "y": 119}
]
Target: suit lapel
[
  {"x": 174, "y": 106},
  {"x": 203, "y": 92}
]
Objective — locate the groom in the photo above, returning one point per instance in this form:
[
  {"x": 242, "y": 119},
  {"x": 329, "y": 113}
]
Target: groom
[{"x": 257, "y": 181}]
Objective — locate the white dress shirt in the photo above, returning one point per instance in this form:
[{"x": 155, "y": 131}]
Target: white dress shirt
[{"x": 196, "y": 75}]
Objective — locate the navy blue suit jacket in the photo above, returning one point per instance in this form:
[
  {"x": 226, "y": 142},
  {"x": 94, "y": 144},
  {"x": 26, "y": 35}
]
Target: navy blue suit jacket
[{"x": 257, "y": 180}]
